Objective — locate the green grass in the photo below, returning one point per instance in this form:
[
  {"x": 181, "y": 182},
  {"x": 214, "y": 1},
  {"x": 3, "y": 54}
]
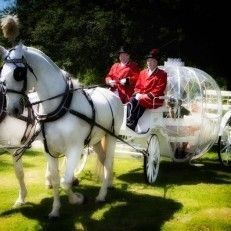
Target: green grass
[{"x": 183, "y": 198}]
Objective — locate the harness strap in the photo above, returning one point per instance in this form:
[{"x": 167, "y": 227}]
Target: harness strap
[
  {"x": 89, "y": 120},
  {"x": 30, "y": 122},
  {"x": 61, "y": 110},
  {"x": 92, "y": 123},
  {"x": 45, "y": 143},
  {"x": 2, "y": 103},
  {"x": 19, "y": 152},
  {"x": 16, "y": 92},
  {"x": 44, "y": 137}
]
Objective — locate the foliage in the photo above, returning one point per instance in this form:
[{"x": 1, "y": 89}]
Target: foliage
[{"x": 81, "y": 35}]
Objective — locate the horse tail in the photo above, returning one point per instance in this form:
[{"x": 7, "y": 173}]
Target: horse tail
[{"x": 10, "y": 27}]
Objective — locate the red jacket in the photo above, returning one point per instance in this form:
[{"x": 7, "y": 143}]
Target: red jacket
[
  {"x": 150, "y": 87},
  {"x": 118, "y": 72}
]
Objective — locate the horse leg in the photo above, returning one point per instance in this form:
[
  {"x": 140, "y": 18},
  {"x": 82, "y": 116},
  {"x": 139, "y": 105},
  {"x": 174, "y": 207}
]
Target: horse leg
[
  {"x": 109, "y": 148},
  {"x": 48, "y": 177},
  {"x": 72, "y": 158},
  {"x": 75, "y": 181},
  {"x": 100, "y": 150},
  {"x": 18, "y": 168},
  {"x": 55, "y": 180}
]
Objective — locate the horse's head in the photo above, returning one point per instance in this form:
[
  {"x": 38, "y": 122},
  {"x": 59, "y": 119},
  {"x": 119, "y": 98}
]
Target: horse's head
[{"x": 14, "y": 77}]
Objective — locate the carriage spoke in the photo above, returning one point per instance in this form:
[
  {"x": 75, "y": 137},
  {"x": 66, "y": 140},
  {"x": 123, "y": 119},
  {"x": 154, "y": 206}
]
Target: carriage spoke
[
  {"x": 151, "y": 161},
  {"x": 225, "y": 146}
]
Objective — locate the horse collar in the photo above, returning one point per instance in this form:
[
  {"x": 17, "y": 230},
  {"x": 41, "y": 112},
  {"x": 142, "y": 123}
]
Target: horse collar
[{"x": 63, "y": 106}]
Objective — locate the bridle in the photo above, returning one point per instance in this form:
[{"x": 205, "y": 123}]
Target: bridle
[
  {"x": 30, "y": 132},
  {"x": 20, "y": 73}
]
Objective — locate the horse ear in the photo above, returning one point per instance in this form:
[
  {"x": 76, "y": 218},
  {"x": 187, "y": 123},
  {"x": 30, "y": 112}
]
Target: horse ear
[
  {"x": 19, "y": 50},
  {"x": 20, "y": 46},
  {"x": 3, "y": 52}
]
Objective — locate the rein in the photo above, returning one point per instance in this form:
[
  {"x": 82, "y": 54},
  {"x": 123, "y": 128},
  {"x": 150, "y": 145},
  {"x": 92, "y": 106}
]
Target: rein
[
  {"x": 62, "y": 94},
  {"x": 30, "y": 124},
  {"x": 27, "y": 139},
  {"x": 60, "y": 111},
  {"x": 89, "y": 120}
]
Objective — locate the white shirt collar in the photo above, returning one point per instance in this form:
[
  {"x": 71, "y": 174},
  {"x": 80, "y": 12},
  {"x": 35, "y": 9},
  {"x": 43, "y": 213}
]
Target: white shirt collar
[
  {"x": 123, "y": 64},
  {"x": 151, "y": 71}
]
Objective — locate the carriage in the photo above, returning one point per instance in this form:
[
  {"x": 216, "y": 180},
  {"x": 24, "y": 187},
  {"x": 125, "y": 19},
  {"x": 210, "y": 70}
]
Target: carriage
[{"x": 194, "y": 117}]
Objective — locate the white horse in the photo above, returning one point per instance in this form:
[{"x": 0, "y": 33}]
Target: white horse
[
  {"x": 12, "y": 131},
  {"x": 14, "y": 134},
  {"x": 67, "y": 134}
]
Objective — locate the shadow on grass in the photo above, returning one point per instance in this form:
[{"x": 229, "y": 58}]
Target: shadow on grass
[
  {"x": 123, "y": 211},
  {"x": 183, "y": 174}
]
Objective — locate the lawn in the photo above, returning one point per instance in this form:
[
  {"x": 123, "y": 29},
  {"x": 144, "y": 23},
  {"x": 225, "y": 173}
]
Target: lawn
[{"x": 184, "y": 197}]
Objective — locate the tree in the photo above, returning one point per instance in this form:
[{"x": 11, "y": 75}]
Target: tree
[{"x": 83, "y": 36}]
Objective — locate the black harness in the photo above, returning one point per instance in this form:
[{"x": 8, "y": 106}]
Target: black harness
[
  {"x": 20, "y": 74},
  {"x": 27, "y": 137},
  {"x": 2, "y": 102}
]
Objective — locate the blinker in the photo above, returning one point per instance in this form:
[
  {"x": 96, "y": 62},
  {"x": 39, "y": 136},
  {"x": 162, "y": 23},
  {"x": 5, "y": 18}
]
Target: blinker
[{"x": 20, "y": 73}]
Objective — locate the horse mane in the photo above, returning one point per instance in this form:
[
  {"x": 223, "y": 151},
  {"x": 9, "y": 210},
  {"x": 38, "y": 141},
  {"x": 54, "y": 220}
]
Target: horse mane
[{"x": 49, "y": 60}]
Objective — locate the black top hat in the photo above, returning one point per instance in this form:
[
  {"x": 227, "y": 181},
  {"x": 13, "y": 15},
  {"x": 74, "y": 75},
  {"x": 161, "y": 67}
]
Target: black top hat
[
  {"x": 124, "y": 49},
  {"x": 154, "y": 54}
]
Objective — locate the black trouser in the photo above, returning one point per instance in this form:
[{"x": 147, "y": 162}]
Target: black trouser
[{"x": 134, "y": 112}]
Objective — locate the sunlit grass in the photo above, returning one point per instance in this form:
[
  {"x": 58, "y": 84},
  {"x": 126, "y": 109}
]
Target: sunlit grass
[{"x": 183, "y": 198}]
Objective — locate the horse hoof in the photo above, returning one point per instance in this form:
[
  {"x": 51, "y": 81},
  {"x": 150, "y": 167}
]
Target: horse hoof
[
  {"x": 100, "y": 200},
  {"x": 49, "y": 186},
  {"x": 77, "y": 199},
  {"x": 81, "y": 198},
  {"x": 18, "y": 204},
  {"x": 53, "y": 217},
  {"x": 111, "y": 187}
]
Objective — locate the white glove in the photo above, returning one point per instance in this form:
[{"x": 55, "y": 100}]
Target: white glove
[
  {"x": 112, "y": 83},
  {"x": 123, "y": 81},
  {"x": 137, "y": 96}
]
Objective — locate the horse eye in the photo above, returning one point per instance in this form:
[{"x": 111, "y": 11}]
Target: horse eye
[{"x": 20, "y": 73}]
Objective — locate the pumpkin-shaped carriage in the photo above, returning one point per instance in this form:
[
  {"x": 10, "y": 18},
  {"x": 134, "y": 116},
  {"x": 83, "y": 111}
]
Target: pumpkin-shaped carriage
[{"x": 186, "y": 126}]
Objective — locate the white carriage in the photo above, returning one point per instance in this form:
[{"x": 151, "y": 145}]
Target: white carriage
[
  {"x": 224, "y": 140},
  {"x": 185, "y": 127}
]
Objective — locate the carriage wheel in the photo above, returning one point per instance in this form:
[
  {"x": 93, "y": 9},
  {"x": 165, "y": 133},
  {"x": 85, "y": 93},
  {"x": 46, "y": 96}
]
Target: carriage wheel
[
  {"x": 152, "y": 160},
  {"x": 224, "y": 146}
]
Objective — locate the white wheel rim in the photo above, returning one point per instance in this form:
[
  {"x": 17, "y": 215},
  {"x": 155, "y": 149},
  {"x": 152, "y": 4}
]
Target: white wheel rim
[
  {"x": 153, "y": 159},
  {"x": 226, "y": 146}
]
